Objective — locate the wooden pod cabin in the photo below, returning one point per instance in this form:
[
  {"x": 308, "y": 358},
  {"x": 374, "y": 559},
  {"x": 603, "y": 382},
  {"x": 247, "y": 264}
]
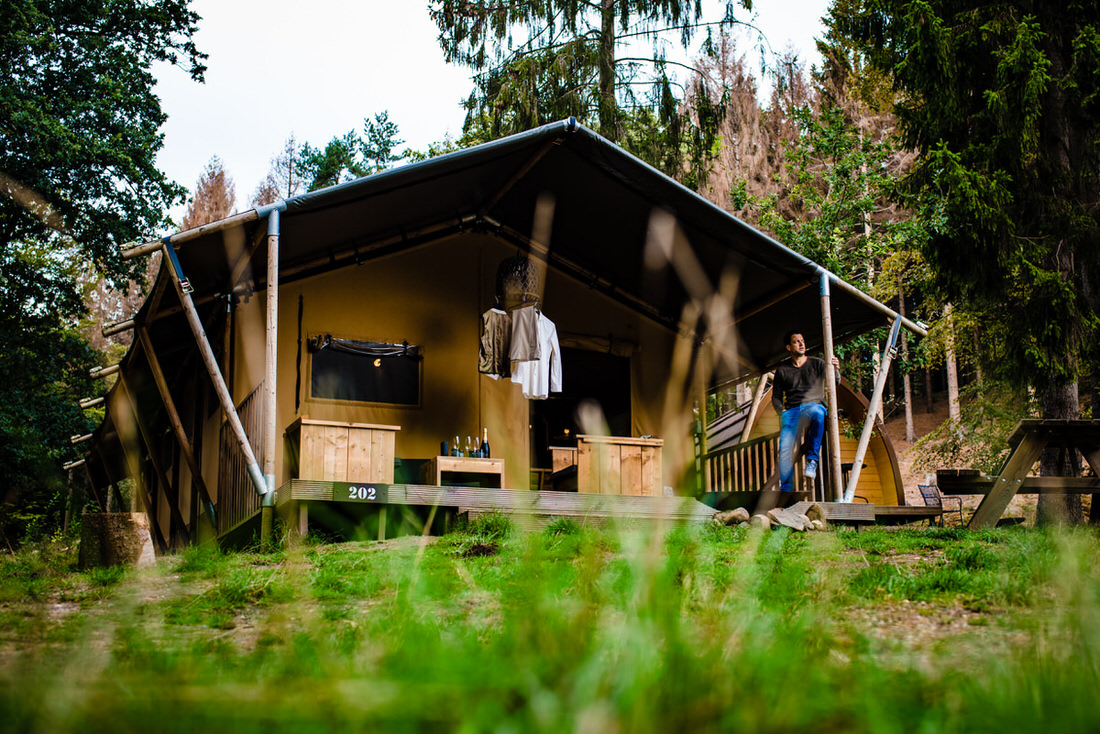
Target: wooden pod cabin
[{"x": 745, "y": 460}]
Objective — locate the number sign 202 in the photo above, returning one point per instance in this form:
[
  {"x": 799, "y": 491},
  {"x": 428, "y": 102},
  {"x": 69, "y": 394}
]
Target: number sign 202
[{"x": 349, "y": 492}]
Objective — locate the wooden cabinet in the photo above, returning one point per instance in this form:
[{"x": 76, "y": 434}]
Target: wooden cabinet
[
  {"x": 341, "y": 452},
  {"x": 619, "y": 465}
]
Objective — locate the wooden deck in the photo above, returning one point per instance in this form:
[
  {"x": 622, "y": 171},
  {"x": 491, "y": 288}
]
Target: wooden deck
[
  {"x": 526, "y": 506},
  {"x": 861, "y": 513}
]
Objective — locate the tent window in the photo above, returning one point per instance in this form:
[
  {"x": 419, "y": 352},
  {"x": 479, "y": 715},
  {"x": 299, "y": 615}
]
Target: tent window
[{"x": 365, "y": 372}]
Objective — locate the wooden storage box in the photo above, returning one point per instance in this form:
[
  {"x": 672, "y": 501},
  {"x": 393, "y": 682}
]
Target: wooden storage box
[
  {"x": 341, "y": 452},
  {"x": 619, "y": 465}
]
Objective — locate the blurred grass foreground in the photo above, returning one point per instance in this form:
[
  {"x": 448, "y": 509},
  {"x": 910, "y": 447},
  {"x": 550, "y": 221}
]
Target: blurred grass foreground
[{"x": 569, "y": 629}]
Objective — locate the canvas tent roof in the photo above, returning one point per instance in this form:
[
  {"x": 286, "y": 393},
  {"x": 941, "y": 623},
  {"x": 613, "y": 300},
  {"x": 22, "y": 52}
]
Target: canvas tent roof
[{"x": 604, "y": 203}]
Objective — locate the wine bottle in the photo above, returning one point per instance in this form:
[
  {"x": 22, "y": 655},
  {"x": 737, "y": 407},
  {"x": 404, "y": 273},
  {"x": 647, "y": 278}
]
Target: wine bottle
[{"x": 485, "y": 443}]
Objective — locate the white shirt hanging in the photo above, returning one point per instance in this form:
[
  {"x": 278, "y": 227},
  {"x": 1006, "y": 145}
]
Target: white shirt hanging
[{"x": 542, "y": 376}]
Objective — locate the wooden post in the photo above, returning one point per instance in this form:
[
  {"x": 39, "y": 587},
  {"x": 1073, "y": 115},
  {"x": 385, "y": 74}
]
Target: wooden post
[
  {"x": 758, "y": 396},
  {"x": 833, "y": 422},
  {"x": 270, "y": 407},
  {"x": 183, "y": 290},
  {"x": 177, "y": 424},
  {"x": 127, "y": 440},
  {"x": 177, "y": 526},
  {"x": 872, "y": 411}
]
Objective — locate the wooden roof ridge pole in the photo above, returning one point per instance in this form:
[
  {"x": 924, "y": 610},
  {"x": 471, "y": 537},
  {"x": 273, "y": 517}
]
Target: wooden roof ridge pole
[
  {"x": 872, "y": 410},
  {"x": 177, "y": 424},
  {"x": 177, "y": 526},
  {"x": 833, "y": 420},
  {"x": 183, "y": 290},
  {"x": 270, "y": 404},
  {"x": 770, "y": 300},
  {"x": 137, "y": 250},
  {"x": 522, "y": 171},
  {"x": 916, "y": 328}
]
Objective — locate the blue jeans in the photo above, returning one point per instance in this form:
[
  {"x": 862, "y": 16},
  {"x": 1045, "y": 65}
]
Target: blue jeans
[{"x": 809, "y": 417}]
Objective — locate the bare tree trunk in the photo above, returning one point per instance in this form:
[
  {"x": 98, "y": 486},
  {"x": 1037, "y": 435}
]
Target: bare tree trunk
[
  {"x": 910, "y": 432},
  {"x": 1059, "y": 401},
  {"x": 930, "y": 403},
  {"x": 952, "y": 372},
  {"x": 607, "y": 106}
]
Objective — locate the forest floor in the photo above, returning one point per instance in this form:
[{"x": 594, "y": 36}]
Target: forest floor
[{"x": 913, "y": 473}]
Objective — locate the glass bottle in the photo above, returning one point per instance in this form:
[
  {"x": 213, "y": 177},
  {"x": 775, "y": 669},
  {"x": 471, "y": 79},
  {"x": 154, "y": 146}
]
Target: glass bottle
[{"x": 485, "y": 443}]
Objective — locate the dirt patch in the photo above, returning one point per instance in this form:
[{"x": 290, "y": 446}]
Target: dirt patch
[{"x": 923, "y": 424}]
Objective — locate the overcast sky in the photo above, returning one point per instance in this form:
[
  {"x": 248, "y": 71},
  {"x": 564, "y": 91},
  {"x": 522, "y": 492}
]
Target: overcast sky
[{"x": 317, "y": 68}]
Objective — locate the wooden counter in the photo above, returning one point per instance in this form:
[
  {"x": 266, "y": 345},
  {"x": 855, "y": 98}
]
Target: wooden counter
[{"x": 440, "y": 465}]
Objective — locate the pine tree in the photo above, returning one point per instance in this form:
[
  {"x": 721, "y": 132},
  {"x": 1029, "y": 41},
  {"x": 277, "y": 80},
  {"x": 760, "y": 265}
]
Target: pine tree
[
  {"x": 214, "y": 199},
  {"x": 1000, "y": 100},
  {"x": 536, "y": 61}
]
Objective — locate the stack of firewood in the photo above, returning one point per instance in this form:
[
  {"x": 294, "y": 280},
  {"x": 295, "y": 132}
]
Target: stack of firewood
[{"x": 775, "y": 518}]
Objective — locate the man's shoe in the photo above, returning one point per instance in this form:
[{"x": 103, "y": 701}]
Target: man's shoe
[{"x": 811, "y": 469}]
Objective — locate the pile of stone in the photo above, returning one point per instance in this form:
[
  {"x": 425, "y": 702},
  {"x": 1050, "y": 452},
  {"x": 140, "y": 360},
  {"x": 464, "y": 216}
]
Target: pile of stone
[{"x": 775, "y": 518}]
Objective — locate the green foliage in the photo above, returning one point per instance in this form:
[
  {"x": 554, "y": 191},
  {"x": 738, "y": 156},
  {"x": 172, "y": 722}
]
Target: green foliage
[
  {"x": 79, "y": 134},
  {"x": 988, "y": 413},
  {"x": 1000, "y": 101},
  {"x": 841, "y": 180},
  {"x": 539, "y": 62},
  {"x": 351, "y": 156},
  {"x": 705, "y": 628}
]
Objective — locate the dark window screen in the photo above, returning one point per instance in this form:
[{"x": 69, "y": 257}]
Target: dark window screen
[{"x": 368, "y": 372}]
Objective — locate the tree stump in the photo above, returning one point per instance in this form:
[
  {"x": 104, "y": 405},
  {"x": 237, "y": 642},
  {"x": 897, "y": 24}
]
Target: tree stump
[{"x": 115, "y": 539}]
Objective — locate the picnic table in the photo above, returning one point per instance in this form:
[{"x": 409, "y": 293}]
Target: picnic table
[{"x": 1027, "y": 442}]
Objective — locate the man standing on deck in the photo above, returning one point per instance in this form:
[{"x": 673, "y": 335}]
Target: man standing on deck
[{"x": 798, "y": 394}]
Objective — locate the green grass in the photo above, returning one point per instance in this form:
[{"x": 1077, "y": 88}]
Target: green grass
[{"x": 694, "y": 629}]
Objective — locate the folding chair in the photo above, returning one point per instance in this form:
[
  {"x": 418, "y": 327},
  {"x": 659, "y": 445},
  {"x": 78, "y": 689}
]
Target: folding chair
[{"x": 932, "y": 498}]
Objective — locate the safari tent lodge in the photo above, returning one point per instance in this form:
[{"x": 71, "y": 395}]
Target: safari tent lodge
[{"x": 321, "y": 359}]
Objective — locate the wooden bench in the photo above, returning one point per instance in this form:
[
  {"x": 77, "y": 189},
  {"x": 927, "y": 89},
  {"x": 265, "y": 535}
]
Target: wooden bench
[{"x": 1027, "y": 442}]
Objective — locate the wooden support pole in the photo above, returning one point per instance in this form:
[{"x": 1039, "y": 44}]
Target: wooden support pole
[
  {"x": 757, "y": 397},
  {"x": 104, "y": 371},
  {"x": 212, "y": 368},
  {"x": 176, "y": 525},
  {"x": 137, "y": 250},
  {"x": 267, "y": 512},
  {"x": 833, "y": 422},
  {"x": 118, "y": 327},
  {"x": 872, "y": 410},
  {"x": 127, "y": 440},
  {"x": 177, "y": 424}
]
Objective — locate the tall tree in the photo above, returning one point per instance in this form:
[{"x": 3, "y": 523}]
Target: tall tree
[
  {"x": 215, "y": 196},
  {"x": 79, "y": 134},
  {"x": 539, "y": 61},
  {"x": 344, "y": 158},
  {"x": 1002, "y": 100},
  {"x": 284, "y": 179}
]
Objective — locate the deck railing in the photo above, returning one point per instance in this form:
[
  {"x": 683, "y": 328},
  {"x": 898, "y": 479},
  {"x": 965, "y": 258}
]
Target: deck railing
[
  {"x": 238, "y": 499},
  {"x": 747, "y": 467}
]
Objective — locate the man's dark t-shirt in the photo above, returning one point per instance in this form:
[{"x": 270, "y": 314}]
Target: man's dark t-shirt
[{"x": 793, "y": 386}]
